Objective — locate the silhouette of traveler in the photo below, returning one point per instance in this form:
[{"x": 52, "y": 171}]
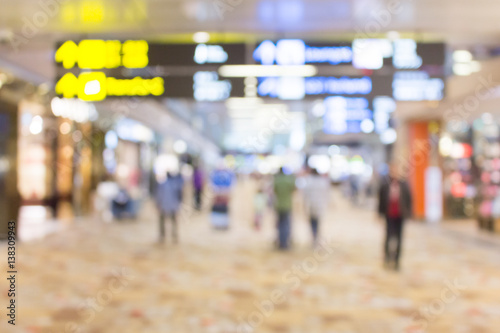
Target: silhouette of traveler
[
  {"x": 198, "y": 186},
  {"x": 168, "y": 200},
  {"x": 284, "y": 186},
  {"x": 260, "y": 200},
  {"x": 316, "y": 196},
  {"x": 395, "y": 205}
]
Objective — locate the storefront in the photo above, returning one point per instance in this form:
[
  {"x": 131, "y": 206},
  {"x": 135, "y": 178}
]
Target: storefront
[
  {"x": 9, "y": 198},
  {"x": 423, "y": 167},
  {"x": 486, "y": 143},
  {"x": 129, "y": 155},
  {"x": 459, "y": 174}
]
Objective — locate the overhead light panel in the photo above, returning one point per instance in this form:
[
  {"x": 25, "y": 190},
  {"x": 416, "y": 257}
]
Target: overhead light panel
[
  {"x": 267, "y": 71},
  {"x": 462, "y": 56}
]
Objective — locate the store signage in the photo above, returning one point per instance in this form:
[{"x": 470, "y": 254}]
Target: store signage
[{"x": 288, "y": 52}]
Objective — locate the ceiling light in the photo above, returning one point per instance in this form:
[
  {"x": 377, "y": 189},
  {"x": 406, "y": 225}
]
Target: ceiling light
[
  {"x": 389, "y": 136},
  {"x": 367, "y": 126},
  {"x": 462, "y": 56},
  {"x": 180, "y": 147},
  {"x": 201, "y": 37},
  {"x": 267, "y": 71},
  {"x": 462, "y": 69}
]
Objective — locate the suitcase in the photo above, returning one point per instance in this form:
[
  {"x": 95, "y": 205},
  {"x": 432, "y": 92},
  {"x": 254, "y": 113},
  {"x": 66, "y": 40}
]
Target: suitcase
[
  {"x": 220, "y": 213},
  {"x": 220, "y": 220}
]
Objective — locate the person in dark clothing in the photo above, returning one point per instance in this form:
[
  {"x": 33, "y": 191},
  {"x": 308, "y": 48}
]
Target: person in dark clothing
[
  {"x": 198, "y": 187},
  {"x": 395, "y": 205}
]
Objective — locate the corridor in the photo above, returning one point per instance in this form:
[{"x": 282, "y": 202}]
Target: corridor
[{"x": 96, "y": 277}]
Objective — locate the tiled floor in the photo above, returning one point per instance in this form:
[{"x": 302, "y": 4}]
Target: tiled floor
[{"x": 95, "y": 277}]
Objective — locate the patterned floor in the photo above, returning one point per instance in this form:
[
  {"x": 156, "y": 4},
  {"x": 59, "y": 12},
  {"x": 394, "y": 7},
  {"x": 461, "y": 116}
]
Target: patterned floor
[{"x": 95, "y": 278}]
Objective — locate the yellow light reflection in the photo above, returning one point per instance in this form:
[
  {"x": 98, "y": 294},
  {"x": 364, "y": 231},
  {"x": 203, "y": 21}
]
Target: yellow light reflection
[
  {"x": 92, "y": 54},
  {"x": 113, "y": 53},
  {"x": 92, "y": 11},
  {"x": 135, "y": 54}
]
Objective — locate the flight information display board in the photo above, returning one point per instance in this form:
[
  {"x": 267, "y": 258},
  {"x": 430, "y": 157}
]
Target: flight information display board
[
  {"x": 373, "y": 54},
  {"x": 108, "y": 54},
  {"x": 95, "y": 69},
  {"x": 96, "y": 86}
]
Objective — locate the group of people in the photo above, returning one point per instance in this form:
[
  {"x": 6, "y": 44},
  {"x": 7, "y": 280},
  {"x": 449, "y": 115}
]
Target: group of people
[
  {"x": 316, "y": 195},
  {"x": 394, "y": 205}
]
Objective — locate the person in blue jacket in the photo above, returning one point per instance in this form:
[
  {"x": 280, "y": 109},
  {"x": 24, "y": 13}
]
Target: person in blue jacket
[{"x": 169, "y": 200}]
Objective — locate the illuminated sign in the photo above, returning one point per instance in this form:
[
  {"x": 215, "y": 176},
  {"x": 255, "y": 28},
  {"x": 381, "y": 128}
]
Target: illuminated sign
[
  {"x": 338, "y": 86},
  {"x": 370, "y": 53},
  {"x": 74, "y": 109},
  {"x": 345, "y": 114},
  {"x": 383, "y": 107},
  {"x": 100, "y": 54},
  {"x": 193, "y": 69},
  {"x": 417, "y": 86},
  {"x": 289, "y": 52},
  {"x": 207, "y": 87},
  {"x": 109, "y": 54},
  {"x": 405, "y": 54},
  {"x": 95, "y": 86},
  {"x": 210, "y": 54},
  {"x": 312, "y": 86}
]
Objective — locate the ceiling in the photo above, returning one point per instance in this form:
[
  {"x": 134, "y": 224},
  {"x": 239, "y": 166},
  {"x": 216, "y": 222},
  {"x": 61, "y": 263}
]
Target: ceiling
[
  {"x": 456, "y": 21},
  {"x": 29, "y": 29}
]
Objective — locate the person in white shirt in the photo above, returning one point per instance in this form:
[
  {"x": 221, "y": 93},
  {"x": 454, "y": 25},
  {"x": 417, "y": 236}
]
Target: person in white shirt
[{"x": 316, "y": 196}]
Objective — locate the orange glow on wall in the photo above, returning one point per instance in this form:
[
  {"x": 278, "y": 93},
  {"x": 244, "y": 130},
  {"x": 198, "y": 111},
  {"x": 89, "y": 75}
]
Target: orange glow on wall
[{"x": 419, "y": 161}]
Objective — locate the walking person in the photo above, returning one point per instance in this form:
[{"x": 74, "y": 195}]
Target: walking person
[
  {"x": 395, "y": 205},
  {"x": 284, "y": 186},
  {"x": 198, "y": 186},
  {"x": 168, "y": 200},
  {"x": 260, "y": 201},
  {"x": 316, "y": 197}
]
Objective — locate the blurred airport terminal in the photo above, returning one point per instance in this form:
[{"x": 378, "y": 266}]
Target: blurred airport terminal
[{"x": 267, "y": 166}]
